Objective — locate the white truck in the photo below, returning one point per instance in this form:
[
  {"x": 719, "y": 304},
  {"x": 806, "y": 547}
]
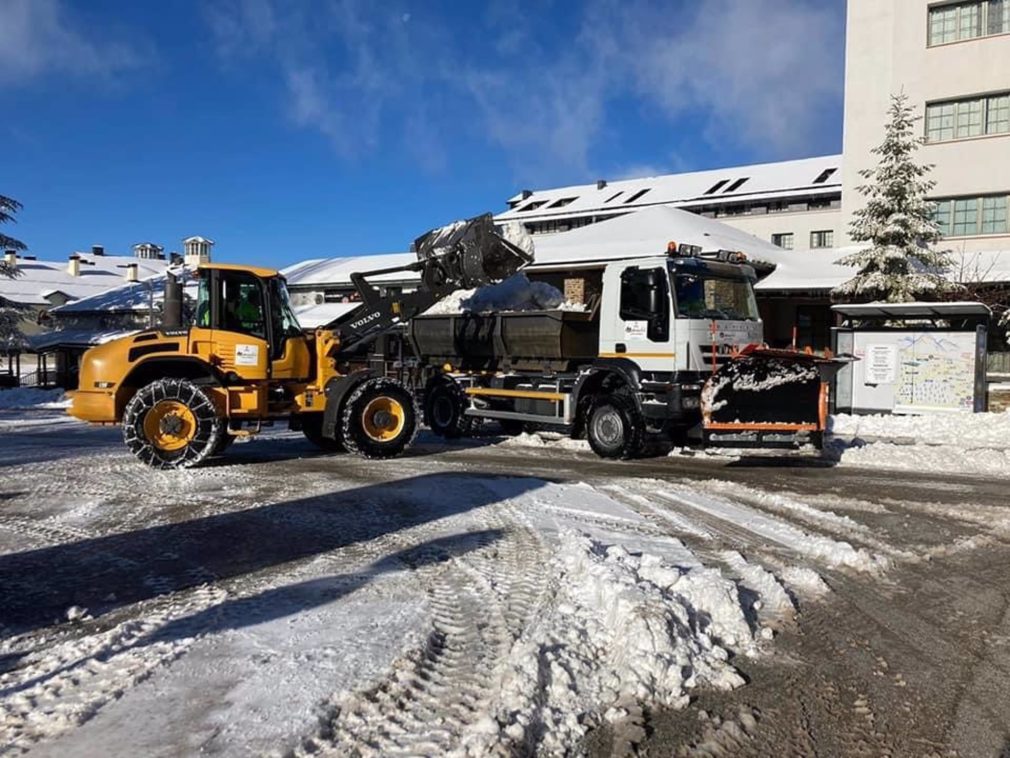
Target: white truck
[{"x": 626, "y": 372}]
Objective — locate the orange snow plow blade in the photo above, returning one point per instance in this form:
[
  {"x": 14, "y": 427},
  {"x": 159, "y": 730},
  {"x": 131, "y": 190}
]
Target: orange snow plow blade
[{"x": 769, "y": 398}]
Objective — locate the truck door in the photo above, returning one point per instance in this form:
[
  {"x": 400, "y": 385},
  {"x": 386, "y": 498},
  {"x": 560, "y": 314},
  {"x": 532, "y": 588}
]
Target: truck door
[
  {"x": 636, "y": 319},
  {"x": 238, "y": 322}
]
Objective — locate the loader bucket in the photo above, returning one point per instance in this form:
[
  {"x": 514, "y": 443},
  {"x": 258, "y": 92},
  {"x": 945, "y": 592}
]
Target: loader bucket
[
  {"x": 769, "y": 398},
  {"x": 467, "y": 254}
]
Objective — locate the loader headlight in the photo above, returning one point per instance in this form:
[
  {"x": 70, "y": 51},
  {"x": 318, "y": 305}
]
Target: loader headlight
[{"x": 690, "y": 402}]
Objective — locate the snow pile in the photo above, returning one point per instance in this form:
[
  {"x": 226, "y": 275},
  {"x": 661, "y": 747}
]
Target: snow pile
[
  {"x": 973, "y": 430},
  {"x": 25, "y": 398},
  {"x": 624, "y": 632},
  {"x": 754, "y": 375},
  {"x": 515, "y": 232},
  {"x": 517, "y": 293},
  {"x": 553, "y": 440},
  {"x": 965, "y": 443}
]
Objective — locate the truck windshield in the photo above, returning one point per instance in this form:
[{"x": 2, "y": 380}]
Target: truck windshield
[{"x": 711, "y": 297}]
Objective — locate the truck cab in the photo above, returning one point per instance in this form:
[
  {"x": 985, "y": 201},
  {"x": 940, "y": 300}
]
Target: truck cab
[{"x": 678, "y": 314}]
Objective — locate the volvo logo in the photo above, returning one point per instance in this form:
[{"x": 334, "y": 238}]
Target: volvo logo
[{"x": 362, "y": 321}]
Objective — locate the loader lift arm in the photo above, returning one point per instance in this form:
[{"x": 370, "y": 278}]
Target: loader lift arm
[{"x": 463, "y": 255}]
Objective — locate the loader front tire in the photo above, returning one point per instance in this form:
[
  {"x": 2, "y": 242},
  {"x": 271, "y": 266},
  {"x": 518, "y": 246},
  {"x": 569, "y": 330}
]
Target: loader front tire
[
  {"x": 172, "y": 423},
  {"x": 379, "y": 419},
  {"x": 615, "y": 427}
]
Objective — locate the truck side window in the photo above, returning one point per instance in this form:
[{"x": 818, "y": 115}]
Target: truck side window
[
  {"x": 243, "y": 305},
  {"x": 644, "y": 297}
]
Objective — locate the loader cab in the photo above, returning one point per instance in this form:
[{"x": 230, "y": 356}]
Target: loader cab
[{"x": 252, "y": 327}]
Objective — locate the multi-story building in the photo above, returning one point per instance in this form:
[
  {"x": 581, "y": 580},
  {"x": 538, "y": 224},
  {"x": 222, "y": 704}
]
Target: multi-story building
[
  {"x": 794, "y": 204},
  {"x": 952, "y": 60}
]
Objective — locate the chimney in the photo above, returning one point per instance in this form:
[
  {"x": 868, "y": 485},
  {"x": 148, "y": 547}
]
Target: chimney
[
  {"x": 11, "y": 257},
  {"x": 98, "y": 250},
  {"x": 196, "y": 250},
  {"x": 148, "y": 251},
  {"x": 601, "y": 183},
  {"x": 131, "y": 272},
  {"x": 74, "y": 265}
]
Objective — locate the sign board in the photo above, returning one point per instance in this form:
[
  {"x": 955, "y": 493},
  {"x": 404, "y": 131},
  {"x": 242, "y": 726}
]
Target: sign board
[
  {"x": 247, "y": 355},
  {"x": 636, "y": 330},
  {"x": 880, "y": 364}
]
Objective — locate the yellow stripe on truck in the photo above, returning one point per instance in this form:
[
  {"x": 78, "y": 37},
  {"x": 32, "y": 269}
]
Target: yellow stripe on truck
[
  {"x": 637, "y": 355},
  {"x": 528, "y": 394}
]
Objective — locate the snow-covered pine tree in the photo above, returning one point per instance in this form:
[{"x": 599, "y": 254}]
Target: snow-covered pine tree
[
  {"x": 899, "y": 264},
  {"x": 10, "y": 318}
]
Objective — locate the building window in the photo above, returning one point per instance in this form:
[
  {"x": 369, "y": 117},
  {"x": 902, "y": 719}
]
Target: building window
[
  {"x": 636, "y": 196},
  {"x": 960, "y": 21},
  {"x": 784, "y": 240},
  {"x": 970, "y": 117},
  {"x": 994, "y": 216},
  {"x": 972, "y": 216},
  {"x": 824, "y": 238}
]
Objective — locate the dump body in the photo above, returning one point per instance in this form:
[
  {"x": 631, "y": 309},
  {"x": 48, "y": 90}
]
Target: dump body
[{"x": 505, "y": 340}]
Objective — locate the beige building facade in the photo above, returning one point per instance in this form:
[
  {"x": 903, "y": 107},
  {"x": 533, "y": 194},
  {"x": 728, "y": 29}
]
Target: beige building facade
[{"x": 952, "y": 60}]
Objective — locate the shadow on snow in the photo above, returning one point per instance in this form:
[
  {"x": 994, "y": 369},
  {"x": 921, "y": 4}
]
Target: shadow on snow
[{"x": 105, "y": 573}]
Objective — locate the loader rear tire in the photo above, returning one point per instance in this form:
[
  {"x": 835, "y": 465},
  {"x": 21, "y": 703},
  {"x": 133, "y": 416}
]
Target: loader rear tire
[
  {"x": 444, "y": 406},
  {"x": 379, "y": 419},
  {"x": 312, "y": 428},
  {"x": 172, "y": 423},
  {"x": 616, "y": 428}
]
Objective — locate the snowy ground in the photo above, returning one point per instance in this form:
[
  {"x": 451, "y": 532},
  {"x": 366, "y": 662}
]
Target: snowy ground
[{"x": 479, "y": 598}]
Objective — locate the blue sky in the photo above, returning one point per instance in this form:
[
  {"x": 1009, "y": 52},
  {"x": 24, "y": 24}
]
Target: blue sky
[{"x": 293, "y": 129}]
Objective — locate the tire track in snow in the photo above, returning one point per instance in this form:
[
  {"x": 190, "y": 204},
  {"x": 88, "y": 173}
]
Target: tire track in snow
[
  {"x": 481, "y": 603},
  {"x": 747, "y": 526}
]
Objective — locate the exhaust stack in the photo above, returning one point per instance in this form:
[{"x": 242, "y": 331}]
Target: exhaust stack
[{"x": 171, "y": 316}]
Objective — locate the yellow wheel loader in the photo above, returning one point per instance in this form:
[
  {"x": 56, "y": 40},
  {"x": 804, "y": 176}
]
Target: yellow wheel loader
[{"x": 185, "y": 391}]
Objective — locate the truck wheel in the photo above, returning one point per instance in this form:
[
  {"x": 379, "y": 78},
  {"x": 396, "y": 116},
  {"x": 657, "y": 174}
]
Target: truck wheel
[
  {"x": 616, "y": 429},
  {"x": 444, "y": 405},
  {"x": 172, "y": 423},
  {"x": 379, "y": 419},
  {"x": 312, "y": 428}
]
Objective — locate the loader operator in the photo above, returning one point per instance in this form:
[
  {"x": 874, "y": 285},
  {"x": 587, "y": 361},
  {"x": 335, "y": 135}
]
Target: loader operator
[{"x": 246, "y": 315}]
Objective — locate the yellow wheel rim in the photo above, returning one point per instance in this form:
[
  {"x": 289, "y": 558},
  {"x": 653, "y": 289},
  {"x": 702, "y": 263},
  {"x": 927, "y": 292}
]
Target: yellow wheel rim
[
  {"x": 383, "y": 419},
  {"x": 170, "y": 425}
]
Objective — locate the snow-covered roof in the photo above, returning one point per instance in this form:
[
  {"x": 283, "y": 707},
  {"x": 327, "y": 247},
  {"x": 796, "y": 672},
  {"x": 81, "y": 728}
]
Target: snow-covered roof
[
  {"x": 914, "y": 309},
  {"x": 807, "y": 270},
  {"x": 76, "y": 338},
  {"x": 339, "y": 270},
  {"x": 126, "y": 298},
  {"x": 315, "y": 315},
  {"x": 644, "y": 233},
  {"x": 809, "y": 176},
  {"x": 98, "y": 273}
]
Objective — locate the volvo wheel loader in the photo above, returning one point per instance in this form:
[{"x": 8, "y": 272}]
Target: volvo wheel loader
[{"x": 185, "y": 391}]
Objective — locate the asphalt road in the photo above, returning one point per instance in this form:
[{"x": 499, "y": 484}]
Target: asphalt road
[{"x": 915, "y": 661}]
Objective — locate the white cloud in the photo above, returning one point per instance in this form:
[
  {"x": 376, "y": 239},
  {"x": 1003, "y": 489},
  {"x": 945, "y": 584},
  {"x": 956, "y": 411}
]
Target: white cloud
[
  {"x": 39, "y": 37},
  {"x": 754, "y": 74}
]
